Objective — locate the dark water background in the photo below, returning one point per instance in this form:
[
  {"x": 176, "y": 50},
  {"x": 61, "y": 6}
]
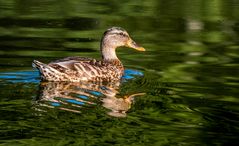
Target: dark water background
[{"x": 190, "y": 73}]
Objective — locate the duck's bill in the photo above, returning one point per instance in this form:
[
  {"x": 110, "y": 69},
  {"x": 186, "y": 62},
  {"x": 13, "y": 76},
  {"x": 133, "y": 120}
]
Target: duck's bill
[{"x": 135, "y": 46}]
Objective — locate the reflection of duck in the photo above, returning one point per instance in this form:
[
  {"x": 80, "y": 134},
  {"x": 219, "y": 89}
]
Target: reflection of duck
[
  {"x": 119, "y": 106},
  {"x": 77, "y": 69},
  {"x": 76, "y": 96}
]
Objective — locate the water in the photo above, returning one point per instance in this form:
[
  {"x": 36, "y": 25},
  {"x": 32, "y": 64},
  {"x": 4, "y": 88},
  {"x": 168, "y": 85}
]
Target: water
[{"x": 185, "y": 84}]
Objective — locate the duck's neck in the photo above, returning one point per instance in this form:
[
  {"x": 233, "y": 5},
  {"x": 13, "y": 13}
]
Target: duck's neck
[
  {"x": 109, "y": 54},
  {"x": 108, "y": 50}
]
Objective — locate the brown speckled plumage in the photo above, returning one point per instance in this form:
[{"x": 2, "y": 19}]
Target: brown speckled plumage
[{"x": 76, "y": 69}]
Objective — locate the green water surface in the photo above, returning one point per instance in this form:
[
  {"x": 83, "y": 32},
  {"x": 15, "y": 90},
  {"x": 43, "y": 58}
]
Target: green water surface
[{"x": 189, "y": 74}]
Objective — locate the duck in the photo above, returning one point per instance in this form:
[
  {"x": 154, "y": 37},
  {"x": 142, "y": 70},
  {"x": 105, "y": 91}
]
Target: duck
[{"x": 77, "y": 69}]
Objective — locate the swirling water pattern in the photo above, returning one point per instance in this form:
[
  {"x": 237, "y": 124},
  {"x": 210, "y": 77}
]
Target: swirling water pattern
[{"x": 185, "y": 84}]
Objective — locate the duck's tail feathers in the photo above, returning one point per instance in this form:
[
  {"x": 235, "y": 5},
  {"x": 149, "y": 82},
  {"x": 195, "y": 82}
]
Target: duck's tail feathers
[{"x": 37, "y": 64}]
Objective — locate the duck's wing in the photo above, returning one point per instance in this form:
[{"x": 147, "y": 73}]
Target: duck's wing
[
  {"x": 75, "y": 58},
  {"x": 86, "y": 67},
  {"x": 79, "y": 69}
]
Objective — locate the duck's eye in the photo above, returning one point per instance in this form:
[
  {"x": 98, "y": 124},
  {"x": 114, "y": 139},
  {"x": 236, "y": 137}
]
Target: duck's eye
[{"x": 122, "y": 34}]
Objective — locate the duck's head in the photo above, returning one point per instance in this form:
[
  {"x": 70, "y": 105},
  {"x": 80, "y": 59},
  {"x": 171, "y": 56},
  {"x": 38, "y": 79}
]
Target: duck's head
[{"x": 116, "y": 37}]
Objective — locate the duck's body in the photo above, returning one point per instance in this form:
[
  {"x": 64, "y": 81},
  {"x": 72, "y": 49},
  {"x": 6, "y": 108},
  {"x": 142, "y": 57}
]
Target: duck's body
[{"x": 76, "y": 69}]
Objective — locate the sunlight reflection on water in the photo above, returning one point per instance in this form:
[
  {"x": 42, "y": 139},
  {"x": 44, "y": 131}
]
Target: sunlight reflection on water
[{"x": 20, "y": 76}]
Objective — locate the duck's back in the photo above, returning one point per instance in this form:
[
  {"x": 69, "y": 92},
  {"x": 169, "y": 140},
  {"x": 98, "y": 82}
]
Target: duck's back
[{"x": 77, "y": 69}]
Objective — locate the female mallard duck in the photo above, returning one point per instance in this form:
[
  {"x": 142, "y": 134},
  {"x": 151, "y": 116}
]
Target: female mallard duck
[{"x": 75, "y": 69}]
